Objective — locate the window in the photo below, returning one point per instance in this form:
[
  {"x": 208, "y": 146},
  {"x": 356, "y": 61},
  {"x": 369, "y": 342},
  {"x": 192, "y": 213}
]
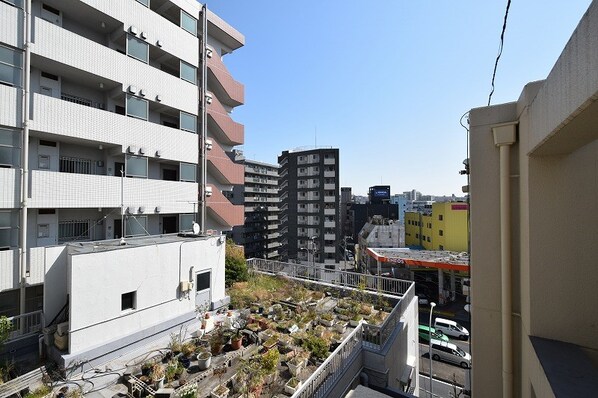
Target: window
[
  {"x": 137, "y": 107},
  {"x": 11, "y": 63},
  {"x": 441, "y": 232},
  {"x": 43, "y": 162},
  {"x": 136, "y": 226},
  {"x": 203, "y": 281},
  {"x": 137, "y": 49},
  {"x": 136, "y": 166},
  {"x": 416, "y": 236},
  {"x": 428, "y": 239},
  {"x": 186, "y": 222},
  {"x": 8, "y": 228},
  {"x": 10, "y": 148},
  {"x": 128, "y": 301},
  {"x": 188, "y": 23},
  {"x": 188, "y": 172},
  {"x": 144, "y": 2},
  {"x": 440, "y": 247},
  {"x": 440, "y": 217},
  {"x": 188, "y": 122},
  {"x": 43, "y": 231},
  {"x": 188, "y": 72}
]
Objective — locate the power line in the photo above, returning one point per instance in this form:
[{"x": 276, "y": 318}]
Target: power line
[{"x": 502, "y": 39}]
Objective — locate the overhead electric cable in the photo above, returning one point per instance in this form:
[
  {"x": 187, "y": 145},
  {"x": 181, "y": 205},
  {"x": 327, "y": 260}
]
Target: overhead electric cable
[{"x": 502, "y": 39}]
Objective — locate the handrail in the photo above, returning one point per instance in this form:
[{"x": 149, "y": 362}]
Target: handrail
[
  {"x": 25, "y": 325},
  {"x": 327, "y": 374}
]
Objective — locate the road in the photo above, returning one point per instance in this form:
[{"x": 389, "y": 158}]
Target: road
[{"x": 443, "y": 370}]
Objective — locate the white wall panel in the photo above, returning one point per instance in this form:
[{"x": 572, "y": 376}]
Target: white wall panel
[
  {"x": 59, "y": 44},
  {"x": 153, "y": 272},
  {"x": 175, "y": 40},
  {"x": 37, "y": 268},
  {"x": 11, "y": 28},
  {"x": 9, "y": 269},
  {"x": 10, "y": 191},
  {"x": 55, "y": 116},
  {"x": 51, "y": 189},
  {"x": 11, "y": 105}
]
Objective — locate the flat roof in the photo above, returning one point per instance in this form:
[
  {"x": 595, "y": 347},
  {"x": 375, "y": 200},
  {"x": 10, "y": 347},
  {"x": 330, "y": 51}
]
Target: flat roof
[
  {"x": 458, "y": 261},
  {"x": 140, "y": 241}
]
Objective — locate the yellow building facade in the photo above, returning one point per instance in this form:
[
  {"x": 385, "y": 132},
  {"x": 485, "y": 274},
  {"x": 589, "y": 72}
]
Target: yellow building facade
[{"x": 444, "y": 229}]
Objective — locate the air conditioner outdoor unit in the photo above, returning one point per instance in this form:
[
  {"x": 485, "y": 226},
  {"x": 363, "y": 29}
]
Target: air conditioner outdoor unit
[
  {"x": 62, "y": 328},
  {"x": 185, "y": 286},
  {"x": 208, "y": 191}
]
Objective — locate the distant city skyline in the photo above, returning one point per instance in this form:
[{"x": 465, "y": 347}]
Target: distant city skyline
[{"x": 385, "y": 82}]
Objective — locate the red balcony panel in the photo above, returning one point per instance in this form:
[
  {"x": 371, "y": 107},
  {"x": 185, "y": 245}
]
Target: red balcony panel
[
  {"x": 223, "y": 210},
  {"x": 223, "y": 168},
  {"x": 221, "y": 124},
  {"x": 233, "y": 92}
]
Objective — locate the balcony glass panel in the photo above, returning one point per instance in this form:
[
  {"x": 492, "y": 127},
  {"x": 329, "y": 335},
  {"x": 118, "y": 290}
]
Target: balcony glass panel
[
  {"x": 11, "y": 62},
  {"x": 188, "y": 23},
  {"x": 136, "y": 226},
  {"x": 188, "y": 172},
  {"x": 188, "y": 72},
  {"x": 137, "y": 107},
  {"x": 188, "y": 122},
  {"x": 144, "y": 2},
  {"x": 136, "y": 166},
  {"x": 137, "y": 49}
]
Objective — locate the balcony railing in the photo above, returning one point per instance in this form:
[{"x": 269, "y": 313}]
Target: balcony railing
[
  {"x": 25, "y": 325},
  {"x": 82, "y": 101},
  {"x": 77, "y": 165}
]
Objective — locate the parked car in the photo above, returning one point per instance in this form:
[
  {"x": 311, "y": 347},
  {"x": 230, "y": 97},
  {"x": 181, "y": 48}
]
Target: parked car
[
  {"x": 450, "y": 352},
  {"x": 425, "y": 332},
  {"x": 451, "y": 328}
]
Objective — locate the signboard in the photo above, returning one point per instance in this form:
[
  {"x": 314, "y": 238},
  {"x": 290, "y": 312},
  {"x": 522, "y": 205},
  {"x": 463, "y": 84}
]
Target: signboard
[{"x": 459, "y": 206}]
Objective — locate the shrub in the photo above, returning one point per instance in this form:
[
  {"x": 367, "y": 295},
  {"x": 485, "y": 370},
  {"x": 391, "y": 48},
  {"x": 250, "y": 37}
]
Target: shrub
[{"x": 234, "y": 263}]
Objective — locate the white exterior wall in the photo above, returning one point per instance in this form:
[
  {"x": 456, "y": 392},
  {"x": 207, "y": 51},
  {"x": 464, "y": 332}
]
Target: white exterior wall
[
  {"x": 55, "y": 116},
  {"x": 153, "y": 272},
  {"x": 51, "y": 189},
  {"x": 175, "y": 40},
  {"x": 11, "y": 28},
  {"x": 11, "y": 106},
  {"x": 56, "y": 43},
  {"x": 10, "y": 188}
]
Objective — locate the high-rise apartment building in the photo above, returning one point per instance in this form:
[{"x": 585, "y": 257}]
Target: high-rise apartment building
[
  {"x": 533, "y": 185},
  {"x": 106, "y": 104},
  {"x": 309, "y": 197},
  {"x": 260, "y": 235}
]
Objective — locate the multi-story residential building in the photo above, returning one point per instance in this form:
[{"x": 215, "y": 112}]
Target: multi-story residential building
[
  {"x": 442, "y": 227},
  {"x": 309, "y": 195},
  {"x": 533, "y": 186},
  {"x": 400, "y": 200},
  {"x": 108, "y": 109},
  {"x": 346, "y": 200},
  {"x": 259, "y": 234}
]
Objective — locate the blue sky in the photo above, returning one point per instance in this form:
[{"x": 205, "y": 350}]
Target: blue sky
[{"x": 385, "y": 81}]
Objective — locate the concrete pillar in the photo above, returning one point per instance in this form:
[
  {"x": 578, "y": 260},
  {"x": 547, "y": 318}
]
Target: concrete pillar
[
  {"x": 453, "y": 286},
  {"x": 440, "y": 286}
]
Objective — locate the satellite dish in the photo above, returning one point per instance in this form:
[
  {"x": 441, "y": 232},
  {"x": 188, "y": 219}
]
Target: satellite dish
[{"x": 195, "y": 228}]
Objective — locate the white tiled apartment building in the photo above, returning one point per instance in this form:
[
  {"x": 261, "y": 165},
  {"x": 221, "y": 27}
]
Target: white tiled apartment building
[{"x": 93, "y": 88}]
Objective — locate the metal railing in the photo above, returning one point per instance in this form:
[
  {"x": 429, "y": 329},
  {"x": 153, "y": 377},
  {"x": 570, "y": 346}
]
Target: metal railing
[
  {"x": 372, "y": 283},
  {"x": 25, "y": 325},
  {"x": 79, "y": 230},
  {"x": 81, "y": 101},
  {"x": 77, "y": 165},
  {"x": 328, "y": 374}
]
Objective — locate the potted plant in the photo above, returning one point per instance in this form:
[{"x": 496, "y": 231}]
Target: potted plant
[
  {"x": 146, "y": 368},
  {"x": 340, "y": 326},
  {"x": 296, "y": 363},
  {"x": 292, "y": 385},
  {"x": 220, "y": 391},
  {"x": 175, "y": 343},
  {"x": 236, "y": 341},
  {"x": 204, "y": 359},
  {"x": 327, "y": 319},
  {"x": 354, "y": 321},
  {"x": 172, "y": 370},
  {"x": 270, "y": 362},
  {"x": 157, "y": 375},
  {"x": 188, "y": 391},
  {"x": 216, "y": 342}
]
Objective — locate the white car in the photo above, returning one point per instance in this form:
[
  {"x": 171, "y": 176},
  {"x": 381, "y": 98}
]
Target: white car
[
  {"x": 450, "y": 352},
  {"x": 451, "y": 328}
]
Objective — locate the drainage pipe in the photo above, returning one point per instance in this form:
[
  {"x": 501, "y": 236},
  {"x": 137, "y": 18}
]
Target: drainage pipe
[
  {"x": 25, "y": 160},
  {"x": 204, "y": 116},
  {"x": 504, "y": 137}
]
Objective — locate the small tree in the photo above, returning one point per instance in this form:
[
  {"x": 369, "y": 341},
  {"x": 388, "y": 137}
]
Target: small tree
[
  {"x": 5, "y": 328},
  {"x": 234, "y": 262}
]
